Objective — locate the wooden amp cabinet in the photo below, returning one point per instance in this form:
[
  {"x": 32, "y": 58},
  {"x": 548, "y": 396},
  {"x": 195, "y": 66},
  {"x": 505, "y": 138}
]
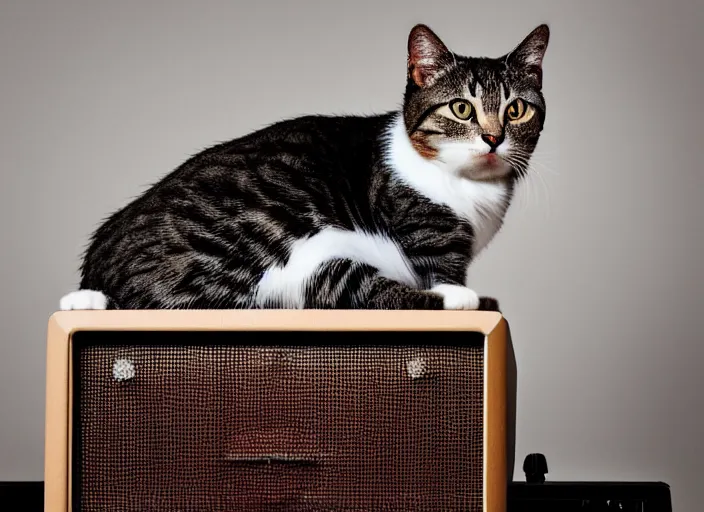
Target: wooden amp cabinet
[{"x": 277, "y": 410}]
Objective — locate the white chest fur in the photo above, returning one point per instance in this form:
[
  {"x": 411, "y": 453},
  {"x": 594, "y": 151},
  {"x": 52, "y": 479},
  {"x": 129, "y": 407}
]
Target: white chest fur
[{"x": 483, "y": 204}]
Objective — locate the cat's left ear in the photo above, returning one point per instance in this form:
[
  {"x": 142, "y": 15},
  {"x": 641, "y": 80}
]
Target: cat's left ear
[
  {"x": 529, "y": 54},
  {"x": 427, "y": 56}
]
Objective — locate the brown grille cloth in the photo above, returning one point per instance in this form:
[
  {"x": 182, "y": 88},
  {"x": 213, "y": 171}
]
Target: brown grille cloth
[{"x": 219, "y": 427}]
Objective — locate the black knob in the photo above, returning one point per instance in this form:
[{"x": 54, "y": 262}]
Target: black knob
[{"x": 535, "y": 466}]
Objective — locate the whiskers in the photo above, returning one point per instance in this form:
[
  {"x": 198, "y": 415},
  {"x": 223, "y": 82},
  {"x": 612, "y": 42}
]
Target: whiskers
[{"x": 531, "y": 169}]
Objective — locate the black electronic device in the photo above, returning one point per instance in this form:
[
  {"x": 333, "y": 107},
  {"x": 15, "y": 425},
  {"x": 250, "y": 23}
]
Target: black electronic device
[{"x": 538, "y": 495}]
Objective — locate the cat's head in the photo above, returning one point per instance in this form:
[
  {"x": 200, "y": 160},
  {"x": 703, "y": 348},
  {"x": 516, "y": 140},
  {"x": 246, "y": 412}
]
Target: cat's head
[{"x": 479, "y": 118}]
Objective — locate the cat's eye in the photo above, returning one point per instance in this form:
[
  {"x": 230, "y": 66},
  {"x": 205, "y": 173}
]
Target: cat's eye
[
  {"x": 516, "y": 110},
  {"x": 462, "y": 109}
]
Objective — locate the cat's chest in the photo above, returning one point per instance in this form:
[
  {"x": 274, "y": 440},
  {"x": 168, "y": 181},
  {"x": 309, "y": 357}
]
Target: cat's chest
[{"x": 485, "y": 211}]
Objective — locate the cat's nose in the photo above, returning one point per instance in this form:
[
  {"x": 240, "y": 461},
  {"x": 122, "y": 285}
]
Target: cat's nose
[{"x": 492, "y": 140}]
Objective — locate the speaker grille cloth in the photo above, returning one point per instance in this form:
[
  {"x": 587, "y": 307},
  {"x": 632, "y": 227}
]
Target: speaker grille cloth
[{"x": 223, "y": 427}]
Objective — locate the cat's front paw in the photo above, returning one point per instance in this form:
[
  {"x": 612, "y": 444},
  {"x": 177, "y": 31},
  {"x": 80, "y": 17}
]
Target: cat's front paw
[
  {"x": 83, "y": 299},
  {"x": 456, "y": 296}
]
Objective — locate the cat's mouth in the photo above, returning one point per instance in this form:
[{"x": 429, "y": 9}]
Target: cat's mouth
[
  {"x": 487, "y": 167},
  {"x": 490, "y": 161}
]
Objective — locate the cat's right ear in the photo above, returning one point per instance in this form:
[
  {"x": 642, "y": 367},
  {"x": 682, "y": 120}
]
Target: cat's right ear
[
  {"x": 528, "y": 56},
  {"x": 427, "y": 56}
]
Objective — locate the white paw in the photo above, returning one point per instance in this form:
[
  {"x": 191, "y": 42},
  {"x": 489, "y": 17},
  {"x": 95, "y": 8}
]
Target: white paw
[
  {"x": 83, "y": 299},
  {"x": 457, "y": 297}
]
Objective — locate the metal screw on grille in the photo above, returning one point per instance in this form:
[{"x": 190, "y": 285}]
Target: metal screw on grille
[
  {"x": 416, "y": 368},
  {"x": 123, "y": 369}
]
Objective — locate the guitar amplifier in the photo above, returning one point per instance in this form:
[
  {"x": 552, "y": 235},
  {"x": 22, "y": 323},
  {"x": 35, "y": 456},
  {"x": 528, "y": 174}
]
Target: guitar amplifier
[{"x": 278, "y": 410}]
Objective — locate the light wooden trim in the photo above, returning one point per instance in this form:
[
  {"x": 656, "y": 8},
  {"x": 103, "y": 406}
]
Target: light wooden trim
[
  {"x": 277, "y": 320},
  {"x": 495, "y": 418},
  {"x": 56, "y": 435},
  {"x": 69, "y": 415},
  {"x": 63, "y": 324}
]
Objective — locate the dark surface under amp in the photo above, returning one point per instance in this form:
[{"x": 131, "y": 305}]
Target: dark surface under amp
[{"x": 522, "y": 497}]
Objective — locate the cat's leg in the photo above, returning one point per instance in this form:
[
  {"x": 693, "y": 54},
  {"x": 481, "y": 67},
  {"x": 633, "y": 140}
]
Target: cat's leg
[
  {"x": 387, "y": 294},
  {"x": 448, "y": 277},
  {"x": 439, "y": 248},
  {"x": 344, "y": 284}
]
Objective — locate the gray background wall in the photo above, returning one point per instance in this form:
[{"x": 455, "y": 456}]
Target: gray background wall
[{"x": 598, "y": 267}]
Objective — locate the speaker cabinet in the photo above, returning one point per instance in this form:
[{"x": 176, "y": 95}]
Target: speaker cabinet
[{"x": 278, "y": 410}]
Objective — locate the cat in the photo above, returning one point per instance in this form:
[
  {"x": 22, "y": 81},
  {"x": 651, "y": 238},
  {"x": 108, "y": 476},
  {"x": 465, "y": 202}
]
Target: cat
[{"x": 346, "y": 212}]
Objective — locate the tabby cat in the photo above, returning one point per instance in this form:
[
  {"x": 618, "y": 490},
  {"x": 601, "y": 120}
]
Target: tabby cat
[{"x": 376, "y": 212}]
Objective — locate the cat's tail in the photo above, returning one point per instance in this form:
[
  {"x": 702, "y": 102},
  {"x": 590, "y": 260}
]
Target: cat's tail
[{"x": 86, "y": 299}]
